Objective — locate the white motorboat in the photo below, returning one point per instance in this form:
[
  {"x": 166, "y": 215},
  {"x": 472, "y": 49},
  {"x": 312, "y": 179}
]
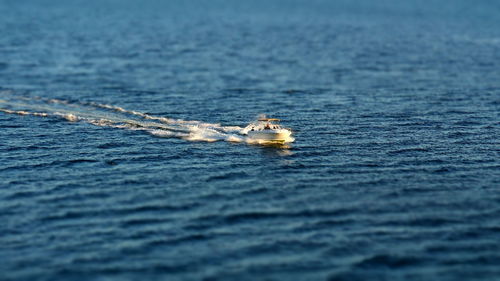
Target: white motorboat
[{"x": 266, "y": 130}]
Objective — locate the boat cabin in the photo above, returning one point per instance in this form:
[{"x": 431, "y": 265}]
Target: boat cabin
[{"x": 266, "y": 124}]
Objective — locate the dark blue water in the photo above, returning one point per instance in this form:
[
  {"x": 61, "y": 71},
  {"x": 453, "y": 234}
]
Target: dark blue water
[{"x": 394, "y": 173}]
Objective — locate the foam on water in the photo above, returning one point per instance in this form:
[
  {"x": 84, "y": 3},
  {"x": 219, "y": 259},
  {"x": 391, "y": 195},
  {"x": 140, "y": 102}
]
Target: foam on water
[
  {"x": 105, "y": 115},
  {"x": 22, "y": 112}
]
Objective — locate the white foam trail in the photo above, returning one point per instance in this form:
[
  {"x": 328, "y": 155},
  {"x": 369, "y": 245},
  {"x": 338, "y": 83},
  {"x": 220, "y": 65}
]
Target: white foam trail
[
  {"x": 105, "y": 115},
  {"x": 167, "y": 120},
  {"x": 23, "y": 112},
  {"x": 68, "y": 116}
]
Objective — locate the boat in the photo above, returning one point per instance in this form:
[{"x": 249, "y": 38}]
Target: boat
[{"x": 267, "y": 130}]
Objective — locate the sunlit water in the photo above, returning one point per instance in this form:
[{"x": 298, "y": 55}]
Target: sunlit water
[{"x": 123, "y": 155}]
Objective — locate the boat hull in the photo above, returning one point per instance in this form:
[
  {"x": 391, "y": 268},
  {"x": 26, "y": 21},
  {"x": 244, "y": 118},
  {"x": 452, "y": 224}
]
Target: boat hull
[{"x": 272, "y": 136}]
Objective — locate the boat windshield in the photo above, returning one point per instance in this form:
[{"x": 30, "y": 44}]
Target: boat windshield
[
  {"x": 264, "y": 124},
  {"x": 268, "y": 126}
]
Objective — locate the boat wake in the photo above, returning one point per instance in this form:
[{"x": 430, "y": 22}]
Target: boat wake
[{"x": 105, "y": 115}]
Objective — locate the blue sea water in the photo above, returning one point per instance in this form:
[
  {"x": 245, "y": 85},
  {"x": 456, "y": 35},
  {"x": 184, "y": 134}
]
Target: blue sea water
[{"x": 121, "y": 157}]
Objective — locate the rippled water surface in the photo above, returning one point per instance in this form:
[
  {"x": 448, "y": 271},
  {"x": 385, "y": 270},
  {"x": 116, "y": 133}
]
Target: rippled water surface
[{"x": 123, "y": 158}]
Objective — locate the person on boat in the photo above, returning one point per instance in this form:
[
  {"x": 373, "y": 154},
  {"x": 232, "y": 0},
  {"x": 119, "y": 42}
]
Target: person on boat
[{"x": 267, "y": 127}]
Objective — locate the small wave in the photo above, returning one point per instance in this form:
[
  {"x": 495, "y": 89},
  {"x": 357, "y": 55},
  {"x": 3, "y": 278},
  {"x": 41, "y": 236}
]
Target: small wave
[
  {"x": 409, "y": 150},
  {"x": 74, "y": 161},
  {"x": 389, "y": 261},
  {"x": 143, "y": 221},
  {"x": 111, "y": 145},
  {"x": 226, "y": 176}
]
